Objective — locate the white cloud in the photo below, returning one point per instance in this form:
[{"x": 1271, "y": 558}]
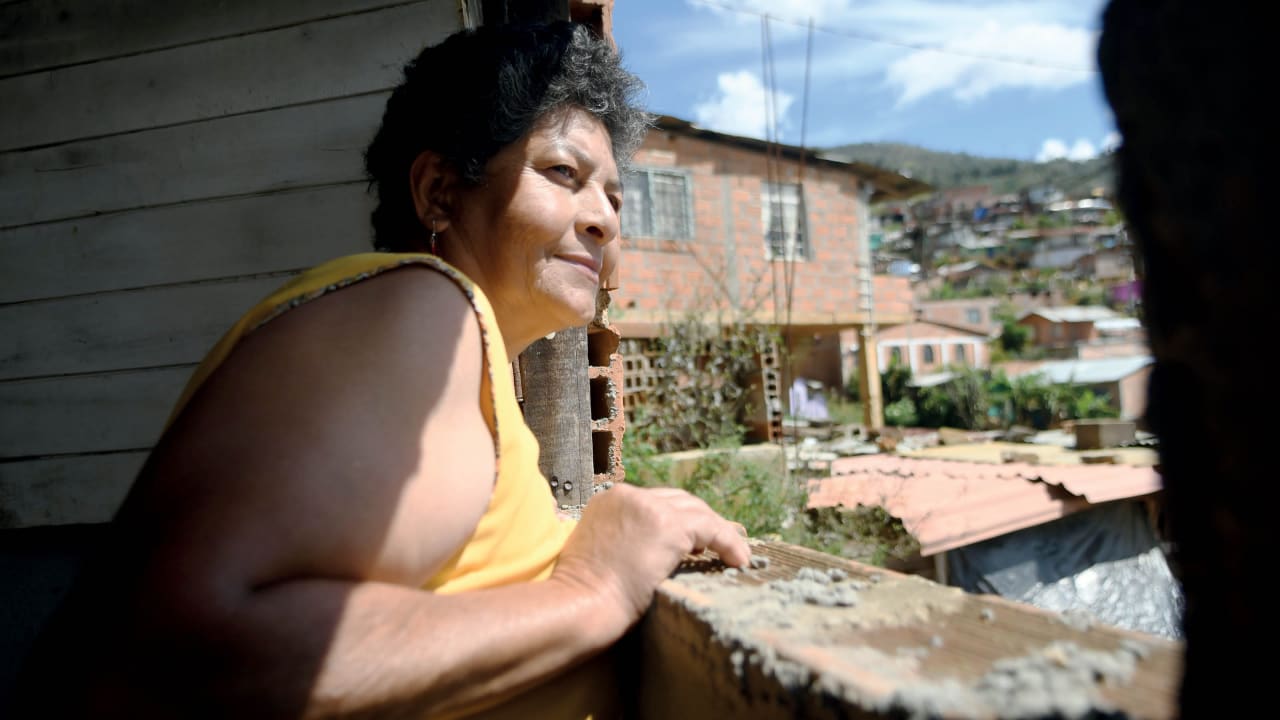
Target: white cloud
[
  {"x": 792, "y": 11},
  {"x": 1110, "y": 142},
  {"x": 738, "y": 106},
  {"x": 965, "y": 71},
  {"x": 1055, "y": 149}
]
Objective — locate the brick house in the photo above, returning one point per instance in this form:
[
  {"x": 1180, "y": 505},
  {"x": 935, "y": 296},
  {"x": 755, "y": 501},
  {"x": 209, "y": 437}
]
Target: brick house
[
  {"x": 1084, "y": 332},
  {"x": 980, "y": 314},
  {"x": 729, "y": 228}
]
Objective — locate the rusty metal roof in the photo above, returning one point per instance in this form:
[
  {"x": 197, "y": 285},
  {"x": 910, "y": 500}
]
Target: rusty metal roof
[{"x": 948, "y": 504}]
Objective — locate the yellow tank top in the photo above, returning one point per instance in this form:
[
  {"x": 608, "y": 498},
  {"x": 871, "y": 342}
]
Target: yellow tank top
[{"x": 520, "y": 535}]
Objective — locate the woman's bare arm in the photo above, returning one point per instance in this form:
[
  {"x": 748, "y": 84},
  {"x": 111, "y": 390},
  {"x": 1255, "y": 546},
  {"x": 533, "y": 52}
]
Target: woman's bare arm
[{"x": 334, "y": 463}]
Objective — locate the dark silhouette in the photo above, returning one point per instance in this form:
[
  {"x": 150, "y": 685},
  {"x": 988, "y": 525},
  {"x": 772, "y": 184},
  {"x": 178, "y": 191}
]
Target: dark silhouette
[{"x": 1194, "y": 171}]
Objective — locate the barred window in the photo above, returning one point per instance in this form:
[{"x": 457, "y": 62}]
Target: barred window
[
  {"x": 783, "y": 218},
  {"x": 657, "y": 204}
]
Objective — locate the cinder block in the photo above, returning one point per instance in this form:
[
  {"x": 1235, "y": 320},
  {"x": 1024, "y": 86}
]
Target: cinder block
[
  {"x": 1105, "y": 433},
  {"x": 608, "y": 421}
]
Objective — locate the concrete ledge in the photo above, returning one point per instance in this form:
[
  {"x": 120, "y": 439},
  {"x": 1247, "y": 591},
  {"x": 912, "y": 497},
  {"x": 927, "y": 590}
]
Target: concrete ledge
[{"x": 815, "y": 636}]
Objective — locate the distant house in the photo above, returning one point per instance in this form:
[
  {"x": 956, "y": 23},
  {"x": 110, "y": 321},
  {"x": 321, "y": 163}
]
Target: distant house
[
  {"x": 975, "y": 314},
  {"x": 969, "y": 274},
  {"x": 726, "y": 228},
  {"x": 1122, "y": 379},
  {"x": 1063, "y": 327},
  {"x": 1114, "y": 265},
  {"x": 1086, "y": 211},
  {"x": 927, "y": 347},
  {"x": 1058, "y": 248}
]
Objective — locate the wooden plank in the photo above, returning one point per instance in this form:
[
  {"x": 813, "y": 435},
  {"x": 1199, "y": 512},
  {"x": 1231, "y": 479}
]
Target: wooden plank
[
  {"x": 51, "y": 33},
  {"x": 166, "y": 325},
  {"x": 184, "y": 243},
  {"x": 87, "y": 413},
  {"x": 341, "y": 57},
  {"x": 775, "y": 643},
  {"x": 557, "y": 408},
  {"x": 66, "y": 490},
  {"x": 303, "y": 146}
]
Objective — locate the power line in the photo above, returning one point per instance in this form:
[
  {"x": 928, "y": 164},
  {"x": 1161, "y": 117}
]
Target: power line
[{"x": 886, "y": 40}]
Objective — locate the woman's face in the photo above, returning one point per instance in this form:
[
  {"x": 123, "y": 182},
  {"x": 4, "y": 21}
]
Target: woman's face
[{"x": 533, "y": 234}]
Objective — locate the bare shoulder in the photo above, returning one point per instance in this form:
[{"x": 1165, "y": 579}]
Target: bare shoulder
[{"x": 342, "y": 440}]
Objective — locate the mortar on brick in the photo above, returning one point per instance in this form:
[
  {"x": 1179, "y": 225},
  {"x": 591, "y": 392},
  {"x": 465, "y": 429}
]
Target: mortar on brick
[{"x": 785, "y": 630}]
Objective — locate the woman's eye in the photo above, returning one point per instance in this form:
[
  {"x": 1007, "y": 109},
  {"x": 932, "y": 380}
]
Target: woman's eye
[{"x": 567, "y": 170}]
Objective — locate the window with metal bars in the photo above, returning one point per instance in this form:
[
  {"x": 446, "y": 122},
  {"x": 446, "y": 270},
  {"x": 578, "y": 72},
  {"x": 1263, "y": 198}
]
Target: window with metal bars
[
  {"x": 657, "y": 204},
  {"x": 784, "y": 221}
]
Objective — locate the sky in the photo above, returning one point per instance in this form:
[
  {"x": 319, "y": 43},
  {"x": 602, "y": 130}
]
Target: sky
[{"x": 994, "y": 78}]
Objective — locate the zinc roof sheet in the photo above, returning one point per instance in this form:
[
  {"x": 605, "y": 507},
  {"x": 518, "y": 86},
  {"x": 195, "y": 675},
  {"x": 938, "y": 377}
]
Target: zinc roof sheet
[
  {"x": 1074, "y": 313},
  {"x": 1089, "y": 372},
  {"x": 948, "y": 504}
]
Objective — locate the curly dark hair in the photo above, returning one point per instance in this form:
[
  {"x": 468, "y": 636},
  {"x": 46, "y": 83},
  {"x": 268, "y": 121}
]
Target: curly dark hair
[{"x": 481, "y": 89}]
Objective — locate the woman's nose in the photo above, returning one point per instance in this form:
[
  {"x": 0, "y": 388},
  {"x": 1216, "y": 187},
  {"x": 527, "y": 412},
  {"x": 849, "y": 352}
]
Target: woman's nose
[{"x": 597, "y": 216}]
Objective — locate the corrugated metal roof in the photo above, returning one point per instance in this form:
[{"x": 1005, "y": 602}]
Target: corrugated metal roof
[
  {"x": 931, "y": 380},
  {"x": 948, "y": 504},
  {"x": 888, "y": 185},
  {"x": 1088, "y": 372},
  {"x": 1074, "y": 313},
  {"x": 1122, "y": 323}
]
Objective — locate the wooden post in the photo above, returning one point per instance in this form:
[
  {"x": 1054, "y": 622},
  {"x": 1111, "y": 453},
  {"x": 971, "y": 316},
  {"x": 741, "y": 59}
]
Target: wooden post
[
  {"x": 869, "y": 380},
  {"x": 552, "y": 373},
  {"x": 557, "y": 408}
]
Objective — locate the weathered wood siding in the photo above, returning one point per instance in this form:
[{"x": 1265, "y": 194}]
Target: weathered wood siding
[{"x": 162, "y": 167}]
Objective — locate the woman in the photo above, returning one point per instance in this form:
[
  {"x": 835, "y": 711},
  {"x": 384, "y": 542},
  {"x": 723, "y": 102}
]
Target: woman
[{"x": 344, "y": 514}]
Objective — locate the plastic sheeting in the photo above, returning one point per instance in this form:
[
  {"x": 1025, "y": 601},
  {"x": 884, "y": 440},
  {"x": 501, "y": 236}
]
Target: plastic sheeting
[
  {"x": 807, "y": 400},
  {"x": 1103, "y": 563}
]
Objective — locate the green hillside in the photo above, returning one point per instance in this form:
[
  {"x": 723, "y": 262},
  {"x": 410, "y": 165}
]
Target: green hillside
[{"x": 946, "y": 170}]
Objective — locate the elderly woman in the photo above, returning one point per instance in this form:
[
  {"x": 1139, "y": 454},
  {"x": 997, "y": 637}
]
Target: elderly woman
[{"x": 345, "y": 512}]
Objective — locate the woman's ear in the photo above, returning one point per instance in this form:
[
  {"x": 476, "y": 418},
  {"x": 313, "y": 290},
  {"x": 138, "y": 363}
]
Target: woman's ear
[{"x": 433, "y": 181}]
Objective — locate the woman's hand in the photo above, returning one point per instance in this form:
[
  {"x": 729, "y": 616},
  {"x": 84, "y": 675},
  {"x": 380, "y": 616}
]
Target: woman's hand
[{"x": 630, "y": 539}]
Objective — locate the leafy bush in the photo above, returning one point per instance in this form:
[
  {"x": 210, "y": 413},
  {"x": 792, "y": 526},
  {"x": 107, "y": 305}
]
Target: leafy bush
[
  {"x": 901, "y": 413},
  {"x": 743, "y": 488},
  {"x": 867, "y": 534},
  {"x": 895, "y": 382},
  {"x": 700, "y": 395}
]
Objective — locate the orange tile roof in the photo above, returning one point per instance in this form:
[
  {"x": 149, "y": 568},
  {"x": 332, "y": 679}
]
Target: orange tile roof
[{"x": 948, "y": 504}]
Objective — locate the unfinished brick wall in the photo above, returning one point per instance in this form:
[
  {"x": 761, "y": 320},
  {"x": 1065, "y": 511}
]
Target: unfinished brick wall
[
  {"x": 723, "y": 270},
  {"x": 605, "y": 385},
  {"x": 604, "y": 377}
]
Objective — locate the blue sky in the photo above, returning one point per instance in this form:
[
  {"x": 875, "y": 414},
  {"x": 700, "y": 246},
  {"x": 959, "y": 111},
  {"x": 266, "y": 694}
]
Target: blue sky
[{"x": 997, "y": 78}]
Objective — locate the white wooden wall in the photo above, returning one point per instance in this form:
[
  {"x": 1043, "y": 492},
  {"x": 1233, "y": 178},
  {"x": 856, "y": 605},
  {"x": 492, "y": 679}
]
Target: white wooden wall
[{"x": 163, "y": 165}]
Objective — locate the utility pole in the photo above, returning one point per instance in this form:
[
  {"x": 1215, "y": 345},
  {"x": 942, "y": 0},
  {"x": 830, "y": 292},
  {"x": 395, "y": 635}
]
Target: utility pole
[{"x": 868, "y": 365}]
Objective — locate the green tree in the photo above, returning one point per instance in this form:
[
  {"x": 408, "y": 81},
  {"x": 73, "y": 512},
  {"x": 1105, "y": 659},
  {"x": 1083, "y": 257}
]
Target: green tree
[{"x": 1014, "y": 338}]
